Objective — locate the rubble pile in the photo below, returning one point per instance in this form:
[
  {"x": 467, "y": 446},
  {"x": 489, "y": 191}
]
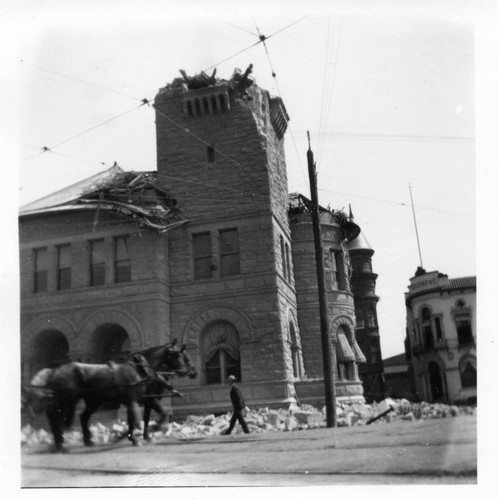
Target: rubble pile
[{"x": 265, "y": 420}]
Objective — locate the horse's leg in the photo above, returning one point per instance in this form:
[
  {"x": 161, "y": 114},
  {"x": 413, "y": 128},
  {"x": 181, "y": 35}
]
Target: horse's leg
[
  {"x": 90, "y": 408},
  {"x": 147, "y": 412},
  {"x": 149, "y": 405},
  {"x": 159, "y": 410},
  {"x": 56, "y": 425},
  {"x": 133, "y": 411}
]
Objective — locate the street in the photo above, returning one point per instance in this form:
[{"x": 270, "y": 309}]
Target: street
[{"x": 438, "y": 451}]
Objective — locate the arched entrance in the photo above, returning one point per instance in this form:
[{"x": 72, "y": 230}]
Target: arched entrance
[
  {"x": 49, "y": 349},
  {"x": 109, "y": 341},
  {"x": 435, "y": 381}
]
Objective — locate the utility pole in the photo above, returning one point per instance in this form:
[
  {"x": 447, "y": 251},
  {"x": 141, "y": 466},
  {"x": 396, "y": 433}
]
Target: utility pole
[{"x": 328, "y": 347}]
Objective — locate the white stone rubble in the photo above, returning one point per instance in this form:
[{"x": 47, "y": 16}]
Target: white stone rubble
[{"x": 263, "y": 420}]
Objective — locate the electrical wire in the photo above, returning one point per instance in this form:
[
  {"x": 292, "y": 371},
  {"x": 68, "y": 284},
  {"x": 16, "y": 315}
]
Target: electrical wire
[{"x": 45, "y": 149}]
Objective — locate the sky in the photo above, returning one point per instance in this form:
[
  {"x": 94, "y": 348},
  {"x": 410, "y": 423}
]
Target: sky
[{"x": 387, "y": 93}]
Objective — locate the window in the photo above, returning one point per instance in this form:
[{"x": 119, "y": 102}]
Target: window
[
  {"x": 229, "y": 252},
  {"x": 210, "y": 154},
  {"x": 203, "y": 264},
  {"x": 375, "y": 351},
  {"x": 282, "y": 253},
  {"x": 97, "y": 263},
  {"x": 41, "y": 267},
  {"x": 439, "y": 331},
  {"x": 345, "y": 371},
  {"x": 122, "y": 263},
  {"x": 428, "y": 337},
  {"x": 287, "y": 261},
  {"x": 337, "y": 266},
  {"x": 63, "y": 267},
  {"x": 462, "y": 317},
  {"x": 360, "y": 319},
  {"x": 220, "y": 366},
  {"x": 296, "y": 364},
  {"x": 464, "y": 331},
  {"x": 468, "y": 373},
  {"x": 220, "y": 350},
  {"x": 371, "y": 317}
]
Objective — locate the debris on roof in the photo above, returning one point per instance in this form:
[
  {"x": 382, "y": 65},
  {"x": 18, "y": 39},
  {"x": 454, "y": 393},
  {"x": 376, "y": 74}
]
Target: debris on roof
[
  {"x": 137, "y": 195},
  {"x": 298, "y": 203}
]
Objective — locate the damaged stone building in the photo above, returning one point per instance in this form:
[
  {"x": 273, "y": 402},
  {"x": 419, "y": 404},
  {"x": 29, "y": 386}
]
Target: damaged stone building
[{"x": 210, "y": 250}]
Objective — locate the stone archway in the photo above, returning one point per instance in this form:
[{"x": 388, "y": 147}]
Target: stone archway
[
  {"x": 49, "y": 348},
  {"x": 121, "y": 319},
  {"x": 109, "y": 341}
]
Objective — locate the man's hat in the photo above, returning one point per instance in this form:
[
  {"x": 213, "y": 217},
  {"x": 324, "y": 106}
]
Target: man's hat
[{"x": 232, "y": 377}]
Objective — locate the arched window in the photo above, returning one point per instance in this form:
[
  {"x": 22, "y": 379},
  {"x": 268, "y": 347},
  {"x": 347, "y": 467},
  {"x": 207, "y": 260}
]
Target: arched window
[{"x": 220, "y": 351}]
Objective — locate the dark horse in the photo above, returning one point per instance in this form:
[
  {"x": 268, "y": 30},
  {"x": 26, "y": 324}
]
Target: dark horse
[
  {"x": 165, "y": 361},
  {"x": 125, "y": 383}
]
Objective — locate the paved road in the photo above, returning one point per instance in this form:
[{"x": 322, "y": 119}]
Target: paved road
[{"x": 442, "y": 451}]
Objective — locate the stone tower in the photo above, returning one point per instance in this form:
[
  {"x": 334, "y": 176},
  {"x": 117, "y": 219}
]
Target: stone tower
[
  {"x": 220, "y": 152},
  {"x": 336, "y": 230},
  {"x": 363, "y": 282}
]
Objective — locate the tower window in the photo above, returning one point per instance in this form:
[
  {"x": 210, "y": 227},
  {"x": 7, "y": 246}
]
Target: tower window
[
  {"x": 203, "y": 262},
  {"x": 282, "y": 254},
  {"x": 287, "y": 262},
  {"x": 229, "y": 252},
  {"x": 223, "y": 105},
  {"x": 337, "y": 265},
  {"x": 210, "y": 154}
]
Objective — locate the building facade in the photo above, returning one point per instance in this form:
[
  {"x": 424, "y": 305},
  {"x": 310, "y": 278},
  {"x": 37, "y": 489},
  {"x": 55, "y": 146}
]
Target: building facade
[
  {"x": 206, "y": 250},
  {"x": 440, "y": 341}
]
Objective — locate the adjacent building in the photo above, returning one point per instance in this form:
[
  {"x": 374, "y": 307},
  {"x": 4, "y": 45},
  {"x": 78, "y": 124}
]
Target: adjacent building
[
  {"x": 440, "y": 339},
  {"x": 210, "y": 250}
]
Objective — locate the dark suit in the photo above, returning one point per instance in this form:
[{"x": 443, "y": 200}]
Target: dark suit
[{"x": 238, "y": 405}]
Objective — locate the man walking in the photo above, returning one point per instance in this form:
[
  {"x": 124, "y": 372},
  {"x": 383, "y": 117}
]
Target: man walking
[{"x": 238, "y": 406}]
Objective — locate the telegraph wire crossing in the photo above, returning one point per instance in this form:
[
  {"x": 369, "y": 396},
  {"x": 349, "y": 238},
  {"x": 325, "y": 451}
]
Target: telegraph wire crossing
[{"x": 323, "y": 120}]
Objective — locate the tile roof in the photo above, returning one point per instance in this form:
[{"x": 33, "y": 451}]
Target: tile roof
[{"x": 456, "y": 283}]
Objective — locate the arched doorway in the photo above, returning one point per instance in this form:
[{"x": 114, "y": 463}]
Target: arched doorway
[
  {"x": 50, "y": 348},
  {"x": 435, "y": 382},
  {"x": 109, "y": 341}
]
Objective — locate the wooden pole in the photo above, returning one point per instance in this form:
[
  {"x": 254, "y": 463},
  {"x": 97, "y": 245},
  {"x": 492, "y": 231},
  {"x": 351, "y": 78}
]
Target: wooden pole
[{"x": 328, "y": 347}]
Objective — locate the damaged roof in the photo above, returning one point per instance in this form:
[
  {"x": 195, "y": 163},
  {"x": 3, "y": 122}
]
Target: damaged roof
[{"x": 137, "y": 195}]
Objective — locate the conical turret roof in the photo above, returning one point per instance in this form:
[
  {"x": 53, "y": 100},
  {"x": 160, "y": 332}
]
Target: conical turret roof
[{"x": 360, "y": 242}]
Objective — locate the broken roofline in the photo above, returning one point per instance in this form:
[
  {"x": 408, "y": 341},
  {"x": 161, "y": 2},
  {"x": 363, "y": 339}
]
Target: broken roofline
[
  {"x": 298, "y": 203},
  {"x": 155, "y": 210}
]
